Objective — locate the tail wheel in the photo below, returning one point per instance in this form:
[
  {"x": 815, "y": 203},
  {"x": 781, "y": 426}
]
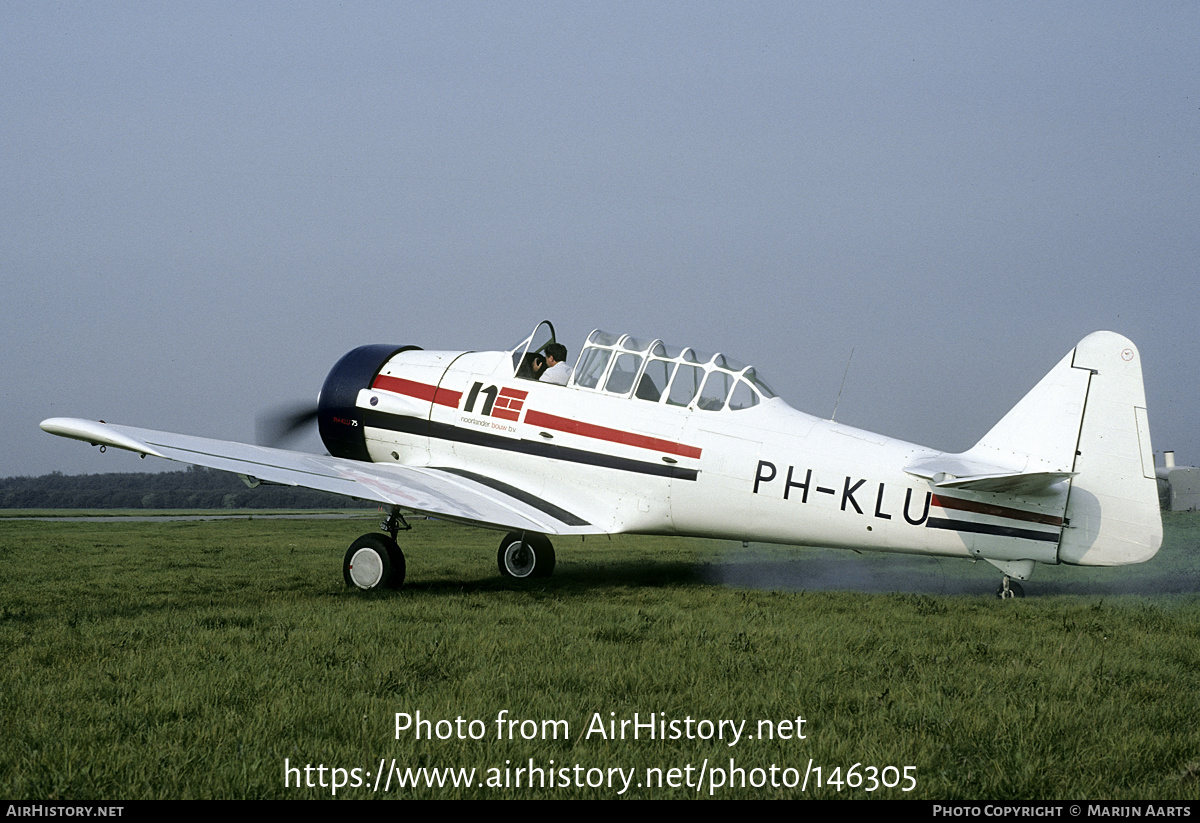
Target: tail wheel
[
  {"x": 1009, "y": 589},
  {"x": 524, "y": 555},
  {"x": 374, "y": 561}
]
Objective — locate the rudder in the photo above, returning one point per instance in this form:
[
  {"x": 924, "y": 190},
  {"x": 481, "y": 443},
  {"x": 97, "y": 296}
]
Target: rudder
[{"x": 1112, "y": 516}]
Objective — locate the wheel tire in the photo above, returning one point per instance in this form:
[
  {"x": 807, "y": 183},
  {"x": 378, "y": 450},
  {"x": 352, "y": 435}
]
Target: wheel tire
[
  {"x": 1014, "y": 591},
  {"x": 525, "y": 555},
  {"x": 374, "y": 561}
]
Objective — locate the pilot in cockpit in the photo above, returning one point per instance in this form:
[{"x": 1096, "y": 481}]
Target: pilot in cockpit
[{"x": 557, "y": 372}]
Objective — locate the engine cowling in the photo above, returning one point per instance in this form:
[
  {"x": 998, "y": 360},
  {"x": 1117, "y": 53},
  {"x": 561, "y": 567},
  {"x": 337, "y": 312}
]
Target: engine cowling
[{"x": 338, "y": 417}]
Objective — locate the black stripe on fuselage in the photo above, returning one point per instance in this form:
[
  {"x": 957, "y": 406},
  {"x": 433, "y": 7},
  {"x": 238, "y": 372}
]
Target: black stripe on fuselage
[
  {"x": 987, "y": 528},
  {"x": 457, "y": 434},
  {"x": 561, "y": 515}
]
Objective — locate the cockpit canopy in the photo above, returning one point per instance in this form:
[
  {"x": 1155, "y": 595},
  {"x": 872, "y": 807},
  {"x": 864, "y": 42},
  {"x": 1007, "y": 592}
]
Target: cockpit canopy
[{"x": 653, "y": 371}]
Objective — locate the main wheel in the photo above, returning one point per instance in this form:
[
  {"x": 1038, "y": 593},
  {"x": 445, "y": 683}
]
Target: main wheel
[
  {"x": 523, "y": 555},
  {"x": 374, "y": 561}
]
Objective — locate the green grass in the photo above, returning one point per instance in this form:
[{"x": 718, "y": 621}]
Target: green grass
[{"x": 189, "y": 659}]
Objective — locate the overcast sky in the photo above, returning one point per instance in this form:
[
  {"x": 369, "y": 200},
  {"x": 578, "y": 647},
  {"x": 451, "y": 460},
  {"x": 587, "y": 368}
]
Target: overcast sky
[{"x": 203, "y": 206}]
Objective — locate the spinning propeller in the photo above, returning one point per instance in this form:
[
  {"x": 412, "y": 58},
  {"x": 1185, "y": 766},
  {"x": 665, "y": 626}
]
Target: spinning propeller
[{"x": 284, "y": 424}]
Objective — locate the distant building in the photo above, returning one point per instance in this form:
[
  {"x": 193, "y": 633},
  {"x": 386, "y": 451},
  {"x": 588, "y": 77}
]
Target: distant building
[{"x": 1178, "y": 486}]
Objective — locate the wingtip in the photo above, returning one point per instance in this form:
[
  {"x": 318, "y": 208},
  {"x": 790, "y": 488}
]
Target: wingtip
[
  {"x": 59, "y": 425},
  {"x": 98, "y": 433}
]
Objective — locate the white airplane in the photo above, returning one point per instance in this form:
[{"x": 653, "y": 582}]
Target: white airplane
[{"x": 648, "y": 438}]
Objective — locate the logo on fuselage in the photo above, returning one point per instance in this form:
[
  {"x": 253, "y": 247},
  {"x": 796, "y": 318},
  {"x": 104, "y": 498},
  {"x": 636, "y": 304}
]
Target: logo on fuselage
[
  {"x": 498, "y": 402},
  {"x": 504, "y": 403}
]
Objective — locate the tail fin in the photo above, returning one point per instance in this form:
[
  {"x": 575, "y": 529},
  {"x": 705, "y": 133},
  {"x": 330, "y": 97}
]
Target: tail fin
[{"x": 1084, "y": 422}]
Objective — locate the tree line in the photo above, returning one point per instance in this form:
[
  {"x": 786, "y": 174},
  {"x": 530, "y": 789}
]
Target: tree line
[{"x": 192, "y": 488}]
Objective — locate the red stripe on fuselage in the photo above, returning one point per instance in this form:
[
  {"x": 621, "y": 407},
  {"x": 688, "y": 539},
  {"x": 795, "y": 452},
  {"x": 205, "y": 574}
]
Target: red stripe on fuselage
[
  {"x": 995, "y": 511},
  {"x": 421, "y": 391},
  {"x": 563, "y": 424}
]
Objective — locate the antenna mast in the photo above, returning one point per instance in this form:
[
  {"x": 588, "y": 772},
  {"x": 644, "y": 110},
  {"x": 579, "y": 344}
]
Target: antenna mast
[{"x": 833, "y": 417}]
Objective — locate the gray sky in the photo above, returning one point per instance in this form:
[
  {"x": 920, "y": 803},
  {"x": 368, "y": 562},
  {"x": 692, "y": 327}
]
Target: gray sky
[{"x": 204, "y": 205}]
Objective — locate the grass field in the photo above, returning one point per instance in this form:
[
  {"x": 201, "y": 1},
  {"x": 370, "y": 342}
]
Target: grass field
[{"x": 192, "y": 659}]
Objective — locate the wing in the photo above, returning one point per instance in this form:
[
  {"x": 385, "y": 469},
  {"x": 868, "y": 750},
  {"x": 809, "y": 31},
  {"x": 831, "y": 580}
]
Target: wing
[{"x": 453, "y": 494}]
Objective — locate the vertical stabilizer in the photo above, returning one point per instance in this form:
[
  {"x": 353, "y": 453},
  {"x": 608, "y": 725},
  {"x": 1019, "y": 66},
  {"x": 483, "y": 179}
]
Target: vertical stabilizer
[
  {"x": 1112, "y": 515},
  {"x": 1039, "y": 434}
]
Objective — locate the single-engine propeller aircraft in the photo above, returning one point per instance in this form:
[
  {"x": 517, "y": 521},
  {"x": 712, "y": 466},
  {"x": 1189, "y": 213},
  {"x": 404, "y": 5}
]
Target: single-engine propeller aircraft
[{"x": 650, "y": 438}]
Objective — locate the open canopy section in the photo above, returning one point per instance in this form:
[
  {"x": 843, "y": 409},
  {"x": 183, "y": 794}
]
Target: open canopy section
[
  {"x": 531, "y": 348},
  {"x": 656, "y": 372}
]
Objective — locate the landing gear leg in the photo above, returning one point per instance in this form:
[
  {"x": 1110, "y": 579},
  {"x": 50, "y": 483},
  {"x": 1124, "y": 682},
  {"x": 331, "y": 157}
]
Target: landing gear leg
[
  {"x": 394, "y": 523},
  {"x": 1009, "y": 589}
]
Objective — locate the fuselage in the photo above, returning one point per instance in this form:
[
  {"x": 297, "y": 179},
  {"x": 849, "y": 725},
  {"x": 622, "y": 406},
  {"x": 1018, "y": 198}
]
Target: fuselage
[{"x": 625, "y": 450}]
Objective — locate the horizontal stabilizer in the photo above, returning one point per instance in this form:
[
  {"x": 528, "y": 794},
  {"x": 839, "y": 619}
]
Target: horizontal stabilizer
[
  {"x": 1026, "y": 483},
  {"x": 952, "y": 471}
]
